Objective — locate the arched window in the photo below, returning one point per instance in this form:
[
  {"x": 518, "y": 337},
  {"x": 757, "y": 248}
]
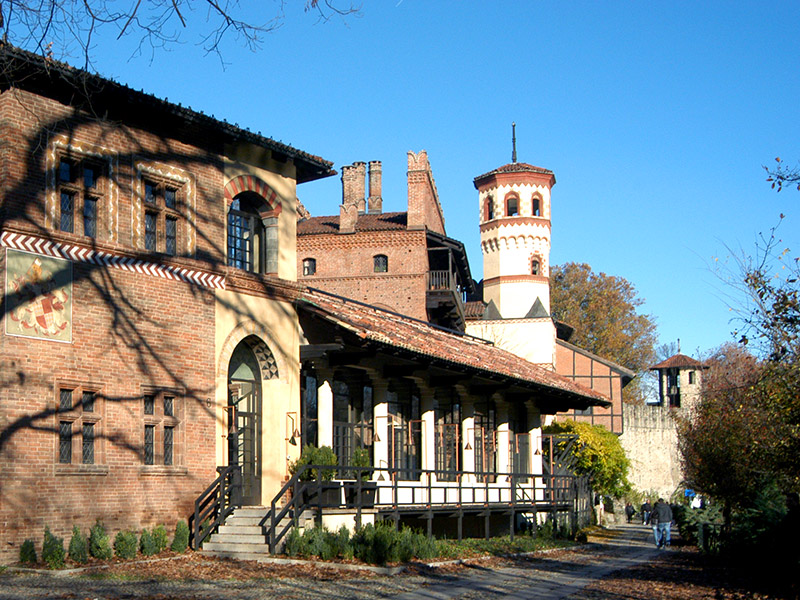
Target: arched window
[
  {"x": 535, "y": 268},
  {"x": 536, "y": 204},
  {"x": 252, "y": 234},
  {"x": 512, "y": 206},
  {"x": 380, "y": 263},
  {"x": 489, "y": 209},
  {"x": 309, "y": 266}
]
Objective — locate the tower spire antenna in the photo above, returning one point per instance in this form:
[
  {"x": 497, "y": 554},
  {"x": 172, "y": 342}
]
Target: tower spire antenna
[{"x": 513, "y": 142}]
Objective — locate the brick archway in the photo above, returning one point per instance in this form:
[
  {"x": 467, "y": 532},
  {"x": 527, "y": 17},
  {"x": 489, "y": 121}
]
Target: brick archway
[{"x": 250, "y": 183}]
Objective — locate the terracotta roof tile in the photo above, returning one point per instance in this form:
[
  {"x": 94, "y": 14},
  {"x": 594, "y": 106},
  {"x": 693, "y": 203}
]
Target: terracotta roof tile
[
  {"x": 425, "y": 340},
  {"x": 366, "y": 222},
  {"x": 678, "y": 361},
  {"x": 515, "y": 168}
]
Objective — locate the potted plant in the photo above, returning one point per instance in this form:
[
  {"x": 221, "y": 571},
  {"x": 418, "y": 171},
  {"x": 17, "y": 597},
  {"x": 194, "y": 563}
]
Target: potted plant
[
  {"x": 318, "y": 487},
  {"x": 367, "y": 488}
]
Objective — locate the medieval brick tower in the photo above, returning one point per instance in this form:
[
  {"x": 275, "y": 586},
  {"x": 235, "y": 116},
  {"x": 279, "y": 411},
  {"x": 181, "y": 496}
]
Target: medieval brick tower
[
  {"x": 515, "y": 238},
  {"x": 514, "y": 204}
]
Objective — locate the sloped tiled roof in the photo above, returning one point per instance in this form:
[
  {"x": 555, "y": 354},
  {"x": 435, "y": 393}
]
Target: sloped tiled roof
[
  {"x": 515, "y": 168},
  {"x": 474, "y": 309},
  {"x": 366, "y": 222},
  {"x": 426, "y": 341},
  {"x": 678, "y": 361}
]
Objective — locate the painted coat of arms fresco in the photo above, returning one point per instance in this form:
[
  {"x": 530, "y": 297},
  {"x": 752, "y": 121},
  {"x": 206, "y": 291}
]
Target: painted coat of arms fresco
[{"x": 38, "y": 296}]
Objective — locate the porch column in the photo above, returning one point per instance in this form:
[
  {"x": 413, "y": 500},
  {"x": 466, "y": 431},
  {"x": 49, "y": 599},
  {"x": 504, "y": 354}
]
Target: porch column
[
  {"x": 380, "y": 429},
  {"x": 535, "y": 430},
  {"x": 468, "y": 438},
  {"x": 325, "y": 407},
  {"x": 503, "y": 436},
  {"x": 427, "y": 406}
]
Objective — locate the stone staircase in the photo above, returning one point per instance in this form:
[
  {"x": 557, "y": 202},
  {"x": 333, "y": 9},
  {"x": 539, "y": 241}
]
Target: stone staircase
[{"x": 241, "y": 536}]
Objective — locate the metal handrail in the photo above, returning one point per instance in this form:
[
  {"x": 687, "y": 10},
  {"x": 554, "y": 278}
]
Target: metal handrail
[{"x": 217, "y": 503}]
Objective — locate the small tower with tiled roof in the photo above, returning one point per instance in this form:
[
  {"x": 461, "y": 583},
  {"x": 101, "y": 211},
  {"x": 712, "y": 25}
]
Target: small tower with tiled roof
[
  {"x": 679, "y": 378},
  {"x": 514, "y": 202}
]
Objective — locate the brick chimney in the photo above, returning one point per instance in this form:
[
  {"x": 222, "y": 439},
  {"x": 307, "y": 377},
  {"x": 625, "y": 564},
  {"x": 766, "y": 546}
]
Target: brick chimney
[
  {"x": 352, "y": 196},
  {"x": 375, "y": 202}
]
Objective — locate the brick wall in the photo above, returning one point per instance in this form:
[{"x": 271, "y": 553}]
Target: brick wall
[
  {"x": 345, "y": 267},
  {"x": 132, "y": 334}
]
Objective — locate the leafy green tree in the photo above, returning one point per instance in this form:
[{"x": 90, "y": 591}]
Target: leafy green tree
[
  {"x": 599, "y": 454},
  {"x": 604, "y": 310}
]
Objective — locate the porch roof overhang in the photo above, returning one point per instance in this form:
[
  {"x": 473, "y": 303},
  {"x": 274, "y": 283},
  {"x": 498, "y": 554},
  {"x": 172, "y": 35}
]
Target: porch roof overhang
[{"x": 354, "y": 333}]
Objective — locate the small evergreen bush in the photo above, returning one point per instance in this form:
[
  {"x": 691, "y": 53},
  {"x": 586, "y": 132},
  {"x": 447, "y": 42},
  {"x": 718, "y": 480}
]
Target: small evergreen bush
[
  {"x": 180, "y": 541},
  {"x": 341, "y": 544},
  {"x": 125, "y": 544},
  {"x": 99, "y": 544},
  {"x": 294, "y": 543},
  {"x": 147, "y": 543},
  {"x": 27, "y": 553},
  {"x": 78, "y": 547},
  {"x": 53, "y": 550},
  {"x": 160, "y": 538}
]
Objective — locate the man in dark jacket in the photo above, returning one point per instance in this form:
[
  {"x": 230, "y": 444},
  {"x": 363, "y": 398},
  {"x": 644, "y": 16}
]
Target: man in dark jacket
[
  {"x": 661, "y": 518},
  {"x": 646, "y": 508}
]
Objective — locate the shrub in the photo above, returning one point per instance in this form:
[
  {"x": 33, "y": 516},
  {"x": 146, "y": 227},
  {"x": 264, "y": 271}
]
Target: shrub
[
  {"x": 53, "y": 550},
  {"x": 180, "y": 541},
  {"x": 78, "y": 547},
  {"x": 99, "y": 544},
  {"x": 294, "y": 543},
  {"x": 311, "y": 455},
  {"x": 125, "y": 544},
  {"x": 27, "y": 553},
  {"x": 147, "y": 543},
  {"x": 341, "y": 543},
  {"x": 160, "y": 538},
  {"x": 361, "y": 459}
]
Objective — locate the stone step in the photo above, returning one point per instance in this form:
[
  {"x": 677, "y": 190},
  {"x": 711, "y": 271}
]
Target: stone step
[
  {"x": 239, "y": 538},
  {"x": 236, "y": 548}
]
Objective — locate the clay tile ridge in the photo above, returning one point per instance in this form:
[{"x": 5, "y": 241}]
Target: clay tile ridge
[
  {"x": 515, "y": 168},
  {"x": 679, "y": 361}
]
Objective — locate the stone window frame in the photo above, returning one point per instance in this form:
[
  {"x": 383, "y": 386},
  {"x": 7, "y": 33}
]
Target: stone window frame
[
  {"x": 507, "y": 201},
  {"x": 535, "y": 259},
  {"x": 164, "y": 176},
  {"x": 537, "y": 206},
  {"x": 160, "y": 421},
  {"x": 309, "y": 266},
  {"x": 488, "y": 208},
  {"x": 380, "y": 263},
  {"x": 62, "y": 149},
  {"x": 77, "y": 415}
]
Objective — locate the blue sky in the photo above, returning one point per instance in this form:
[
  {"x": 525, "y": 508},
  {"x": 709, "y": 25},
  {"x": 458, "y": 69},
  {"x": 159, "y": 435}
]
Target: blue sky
[{"x": 656, "y": 118}]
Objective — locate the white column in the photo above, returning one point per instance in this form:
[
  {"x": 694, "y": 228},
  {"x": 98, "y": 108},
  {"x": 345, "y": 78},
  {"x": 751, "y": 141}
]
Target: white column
[
  {"x": 427, "y": 405},
  {"x": 380, "y": 437},
  {"x": 325, "y": 408}
]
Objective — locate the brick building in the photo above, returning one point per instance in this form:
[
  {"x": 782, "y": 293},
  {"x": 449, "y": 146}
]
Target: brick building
[
  {"x": 401, "y": 261},
  {"x": 154, "y": 331}
]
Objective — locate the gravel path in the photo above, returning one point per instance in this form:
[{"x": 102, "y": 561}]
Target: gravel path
[{"x": 545, "y": 576}]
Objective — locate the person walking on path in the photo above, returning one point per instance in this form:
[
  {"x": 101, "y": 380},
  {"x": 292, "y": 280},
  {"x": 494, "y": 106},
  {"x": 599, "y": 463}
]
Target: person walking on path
[
  {"x": 629, "y": 511},
  {"x": 646, "y": 508},
  {"x": 661, "y": 518}
]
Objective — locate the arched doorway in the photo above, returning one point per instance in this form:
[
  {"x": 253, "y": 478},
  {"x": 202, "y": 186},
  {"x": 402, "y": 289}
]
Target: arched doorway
[{"x": 244, "y": 419}]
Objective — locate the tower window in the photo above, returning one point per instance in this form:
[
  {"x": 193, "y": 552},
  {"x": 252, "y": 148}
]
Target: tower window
[
  {"x": 535, "y": 267},
  {"x": 380, "y": 263},
  {"x": 512, "y": 206},
  {"x": 309, "y": 266},
  {"x": 691, "y": 377},
  {"x": 489, "y": 208},
  {"x": 536, "y": 207}
]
